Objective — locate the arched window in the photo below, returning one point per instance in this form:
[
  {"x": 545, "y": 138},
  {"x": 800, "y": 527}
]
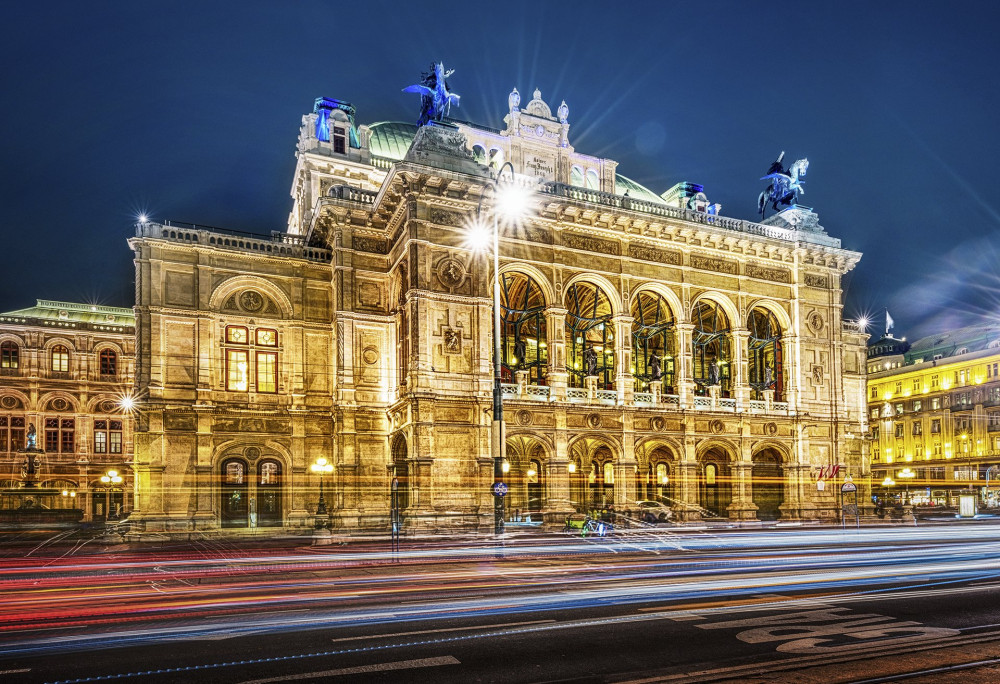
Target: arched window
[
  {"x": 496, "y": 158},
  {"x": 10, "y": 355},
  {"x": 652, "y": 340},
  {"x": 764, "y": 354},
  {"x": 533, "y": 476},
  {"x": 269, "y": 494},
  {"x": 60, "y": 358},
  {"x": 711, "y": 347},
  {"x": 108, "y": 362},
  {"x": 522, "y": 332},
  {"x": 479, "y": 154},
  {"x": 576, "y": 176},
  {"x": 589, "y": 335},
  {"x": 234, "y": 492},
  {"x": 593, "y": 180}
]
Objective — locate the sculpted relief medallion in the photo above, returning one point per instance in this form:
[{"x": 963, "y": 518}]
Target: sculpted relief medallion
[
  {"x": 451, "y": 272},
  {"x": 251, "y": 301},
  {"x": 452, "y": 341},
  {"x": 523, "y": 417},
  {"x": 594, "y": 420},
  {"x": 815, "y": 321}
]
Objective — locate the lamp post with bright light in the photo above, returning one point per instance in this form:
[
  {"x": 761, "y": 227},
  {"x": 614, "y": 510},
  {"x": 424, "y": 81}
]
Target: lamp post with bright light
[
  {"x": 109, "y": 480},
  {"x": 321, "y": 467},
  {"x": 508, "y": 199}
]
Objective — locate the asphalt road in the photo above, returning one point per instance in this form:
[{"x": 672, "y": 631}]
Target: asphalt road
[{"x": 807, "y": 605}]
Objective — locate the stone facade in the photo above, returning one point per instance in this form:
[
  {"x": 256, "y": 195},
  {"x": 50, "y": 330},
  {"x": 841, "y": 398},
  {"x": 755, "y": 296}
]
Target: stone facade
[
  {"x": 66, "y": 368},
  {"x": 383, "y": 321}
]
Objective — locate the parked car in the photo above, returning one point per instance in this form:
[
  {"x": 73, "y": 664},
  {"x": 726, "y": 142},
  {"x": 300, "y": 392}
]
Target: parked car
[{"x": 653, "y": 512}]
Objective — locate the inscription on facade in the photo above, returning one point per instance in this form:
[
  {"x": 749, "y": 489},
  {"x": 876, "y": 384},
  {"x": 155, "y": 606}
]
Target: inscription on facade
[
  {"x": 540, "y": 166},
  {"x": 712, "y": 264},
  {"x": 778, "y": 275},
  {"x": 661, "y": 256},
  {"x": 591, "y": 244}
]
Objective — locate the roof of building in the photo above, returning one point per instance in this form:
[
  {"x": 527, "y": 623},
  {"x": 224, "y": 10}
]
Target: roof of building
[
  {"x": 392, "y": 139},
  {"x": 69, "y": 312},
  {"x": 887, "y": 345},
  {"x": 965, "y": 340}
]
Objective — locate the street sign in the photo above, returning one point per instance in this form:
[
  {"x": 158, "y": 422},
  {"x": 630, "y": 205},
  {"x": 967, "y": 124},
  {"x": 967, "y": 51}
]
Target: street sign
[
  {"x": 849, "y": 487},
  {"x": 499, "y": 489}
]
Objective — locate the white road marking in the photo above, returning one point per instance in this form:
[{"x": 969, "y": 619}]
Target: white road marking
[
  {"x": 362, "y": 669},
  {"x": 21, "y": 671},
  {"x": 437, "y": 631}
]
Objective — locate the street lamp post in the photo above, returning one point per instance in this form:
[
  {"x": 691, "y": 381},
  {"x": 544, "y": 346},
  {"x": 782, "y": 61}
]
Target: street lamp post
[
  {"x": 507, "y": 201},
  {"x": 109, "y": 479},
  {"x": 321, "y": 467}
]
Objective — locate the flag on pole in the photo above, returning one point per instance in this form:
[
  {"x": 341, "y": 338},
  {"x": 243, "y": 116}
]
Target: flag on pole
[{"x": 889, "y": 323}]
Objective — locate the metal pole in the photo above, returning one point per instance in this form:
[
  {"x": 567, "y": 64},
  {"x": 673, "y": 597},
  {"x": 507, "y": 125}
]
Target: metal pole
[{"x": 498, "y": 527}]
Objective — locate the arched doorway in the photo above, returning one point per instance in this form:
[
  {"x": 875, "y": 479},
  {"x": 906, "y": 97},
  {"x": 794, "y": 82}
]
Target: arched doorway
[
  {"x": 235, "y": 508},
  {"x": 602, "y": 478},
  {"x": 714, "y": 484},
  {"x": 269, "y": 493},
  {"x": 401, "y": 472},
  {"x": 768, "y": 484},
  {"x": 533, "y": 475}
]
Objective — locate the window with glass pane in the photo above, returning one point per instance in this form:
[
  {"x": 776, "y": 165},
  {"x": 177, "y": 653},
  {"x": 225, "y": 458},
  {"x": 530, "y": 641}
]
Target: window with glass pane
[
  {"x": 115, "y": 436},
  {"x": 4, "y": 434},
  {"x": 108, "y": 362},
  {"x": 60, "y": 358},
  {"x": 267, "y": 372},
  {"x": 67, "y": 432},
  {"x": 652, "y": 340},
  {"x": 267, "y": 337},
  {"x": 522, "y": 329},
  {"x": 236, "y": 335},
  {"x": 589, "y": 334},
  {"x": 100, "y": 436},
  {"x": 711, "y": 344},
  {"x": 234, "y": 472},
  {"x": 10, "y": 355},
  {"x": 269, "y": 472},
  {"x": 52, "y": 435},
  {"x": 764, "y": 354},
  {"x": 237, "y": 370},
  {"x": 17, "y": 433}
]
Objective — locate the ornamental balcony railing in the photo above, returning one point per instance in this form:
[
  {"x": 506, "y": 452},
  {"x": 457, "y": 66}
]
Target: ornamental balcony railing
[
  {"x": 279, "y": 244},
  {"x": 580, "y": 395}
]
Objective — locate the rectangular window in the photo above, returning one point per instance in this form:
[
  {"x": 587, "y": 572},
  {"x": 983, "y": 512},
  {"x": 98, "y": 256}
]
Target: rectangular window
[
  {"x": 935, "y": 473},
  {"x": 16, "y": 433},
  {"x": 339, "y": 140},
  {"x": 100, "y": 441},
  {"x": 874, "y": 392},
  {"x": 899, "y": 409},
  {"x": 115, "y": 441},
  {"x": 267, "y": 372},
  {"x": 237, "y": 370},
  {"x": 4, "y": 434},
  {"x": 918, "y": 428},
  {"x": 236, "y": 335},
  {"x": 899, "y": 387},
  {"x": 916, "y": 384},
  {"x": 917, "y": 405},
  {"x": 52, "y": 435},
  {"x": 899, "y": 429},
  {"x": 936, "y": 426},
  {"x": 874, "y": 413},
  {"x": 934, "y": 382},
  {"x": 67, "y": 430},
  {"x": 267, "y": 337},
  {"x": 936, "y": 404},
  {"x": 937, "y": 448}
]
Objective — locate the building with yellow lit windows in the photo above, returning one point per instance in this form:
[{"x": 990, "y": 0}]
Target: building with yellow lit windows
[{"x": 934, "y": 408}]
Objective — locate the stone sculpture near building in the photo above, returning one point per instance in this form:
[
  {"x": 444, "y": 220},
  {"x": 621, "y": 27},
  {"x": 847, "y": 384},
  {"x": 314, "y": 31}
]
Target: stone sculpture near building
[
  {"x": 435, "y": 98},
  {"x": 785, "y": 185}
]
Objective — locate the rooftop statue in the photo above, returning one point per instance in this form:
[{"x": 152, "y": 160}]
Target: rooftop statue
[
  {"x": 435, "y": 98},
  {"x": 785, "y": 185}
]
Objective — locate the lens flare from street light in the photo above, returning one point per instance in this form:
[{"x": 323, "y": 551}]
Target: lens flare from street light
[
  {"x": 512, "y": 200},
  {"x": 479, "y": 237}
]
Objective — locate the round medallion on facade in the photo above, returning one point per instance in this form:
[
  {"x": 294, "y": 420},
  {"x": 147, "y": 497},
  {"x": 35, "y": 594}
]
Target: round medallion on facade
[
  {"x": 771, "y": 429},
  {"x": 523, "y": 417},
  {"x": 9, "y": 402},
  {"x": 451, "y": 272},
  {"x": 594, "y": 420},
  {"x": 59, "y": 404},
  {"x": 370, "y": 356},
  {"x": 717, "y": 427},
  {"x": 251, "y": 301},
  {"x": 815, "y": 321},
  {"x": 252, "y": 453},
  {"x": 657, "y": 423},
  {"x": 108, "y": 406}
]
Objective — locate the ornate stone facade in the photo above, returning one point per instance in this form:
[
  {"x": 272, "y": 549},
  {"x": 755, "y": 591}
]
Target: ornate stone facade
[
  {"x": 382, "y": 363},
  {"x": 66, "y": 368}
]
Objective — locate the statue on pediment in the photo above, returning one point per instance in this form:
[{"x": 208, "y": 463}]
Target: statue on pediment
[{"x": 435, "y": 97}]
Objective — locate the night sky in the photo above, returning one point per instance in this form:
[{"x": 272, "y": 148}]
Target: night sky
[{"x": 190, "y": 111}]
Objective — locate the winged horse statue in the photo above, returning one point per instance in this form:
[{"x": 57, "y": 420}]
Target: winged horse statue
[
  {"x": 785, "y": 187},
  {"x": 435, "y": 99}
]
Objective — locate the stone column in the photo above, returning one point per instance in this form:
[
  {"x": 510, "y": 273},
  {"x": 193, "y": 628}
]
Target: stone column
[
  {"x": 624, "y": 381},
  {"x": 555, "y": 322},
  {"x": 684, "y": 367},
  {"x": 740, "y": 373},
  {"x": 590, "y": 382},
  {"x": 742, "y": 506},
  {"x": 656, "y": 387},
  {"x": 522, "y": 383}
]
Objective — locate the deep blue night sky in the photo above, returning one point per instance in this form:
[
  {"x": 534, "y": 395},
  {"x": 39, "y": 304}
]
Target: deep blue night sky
[{"x": 190, "y": 111}]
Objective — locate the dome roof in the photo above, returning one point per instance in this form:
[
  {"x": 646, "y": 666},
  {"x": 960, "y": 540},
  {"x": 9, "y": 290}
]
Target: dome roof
[
  {"x": 624, "y": 184},
  {"x": 391, "y": 139}
]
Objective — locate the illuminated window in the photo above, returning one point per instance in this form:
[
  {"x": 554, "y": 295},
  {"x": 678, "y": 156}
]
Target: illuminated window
[
  {"x": 523, "y": 336},
  {"x": 590, "y": 335},
  {"x": 874, "y": 392},
  {"x": 237, "y": 370},
  {"x": 576, "y": 176},
  {"x": 936, "y": 426},
  {"x": 609, "y": 473},
  {"x": 918, "y": 428},
  {"x": 899, "y": 429},
  {"x": 711, "y": 347},
  {"x": 108, "y": 362},
  {"x": 267, "y": 372},
  {"x": 10, "y": 355},
  {"x": 236, "y": 335},
  {"x": 234, "y": 473},
  {"x": 11, "y": 433},
  {"x": 653, "y": 335},
  {"x": 60, "y": 435},
  {"x": 339, "y": 140},
  {"x": 917, "y": 405},
  {"x": 269, "y": 473},
  {"x": 60, "y": 358},
  {"x": 267, "y": 337},
  {"x": 710, "y": 473},
  {"x": 593, "y": 181}
]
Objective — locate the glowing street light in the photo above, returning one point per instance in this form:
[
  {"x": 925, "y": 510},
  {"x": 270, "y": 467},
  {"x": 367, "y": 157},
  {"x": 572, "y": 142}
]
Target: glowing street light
[
  {"x": 511, "y": 201},
  {"x": 321, "y": 467},
  {"x": 109, "y": 479}
]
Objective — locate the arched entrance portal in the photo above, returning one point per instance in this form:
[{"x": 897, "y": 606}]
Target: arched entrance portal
[
  {"x": 768, "y": 484},
  {"x": 401, "y": 472},
  {"x": 235, "y": 509},
  {"x": 269, "y": 493},
  {"x": 714, "y": 488}
]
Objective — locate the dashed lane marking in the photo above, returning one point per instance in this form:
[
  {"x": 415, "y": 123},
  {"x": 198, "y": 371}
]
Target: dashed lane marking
[{"x": 362, "y": 669}]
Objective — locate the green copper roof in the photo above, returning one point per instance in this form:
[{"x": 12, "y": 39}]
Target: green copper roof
[
  {"x": 635, "y": 191},
  {"x": 971, "y": 339},
  {"x": 89, "y": 314},
  {"x": 391, "y": 139}
]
